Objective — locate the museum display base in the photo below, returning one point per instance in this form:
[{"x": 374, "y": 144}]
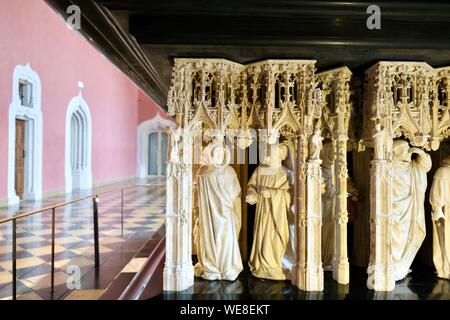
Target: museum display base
[{"x": 421, "y": 284}]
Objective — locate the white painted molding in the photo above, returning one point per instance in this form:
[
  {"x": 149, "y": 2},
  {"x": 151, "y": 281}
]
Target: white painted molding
[
  {"x": 84, "y": 179},
  {"x": 33, "y": 139},
  {"x": 157, "y": 124}
]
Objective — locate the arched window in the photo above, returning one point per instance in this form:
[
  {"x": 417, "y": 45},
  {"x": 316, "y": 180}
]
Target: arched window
[
  {"x": 78, "y": 147},
  {"x": 78, "y": 172},
  {"x": 157, "y": 148},
  {"x": 152, "y": 147}
]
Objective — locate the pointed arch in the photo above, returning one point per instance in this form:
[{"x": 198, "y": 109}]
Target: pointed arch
[
  {"x": 157, "y": 124},
  {"x": 78, "y": 150}
]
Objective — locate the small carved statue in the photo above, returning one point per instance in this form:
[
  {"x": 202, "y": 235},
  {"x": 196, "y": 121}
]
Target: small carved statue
[
  {"x": 440, "y": 203},
  {"x": 268, "y": 188},
  {"x": 175, "y": 138},
  {"x": 315, "y": 145},
  {"x": 409, "y": 183},
  {"x": 219, "y": 218},
  {"x": 327, "y": 156},
  {"x": 379, "y": 142},
  {"x": 289, "y": 256}
]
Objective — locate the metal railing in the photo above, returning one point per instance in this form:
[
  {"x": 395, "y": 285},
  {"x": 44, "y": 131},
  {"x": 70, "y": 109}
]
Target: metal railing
[{"x": 95, "y": 200}]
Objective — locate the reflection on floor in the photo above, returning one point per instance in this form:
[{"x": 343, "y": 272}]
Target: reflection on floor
[
  {"x": 74, "y": 254},
  {"x": 417, "y": 286}
]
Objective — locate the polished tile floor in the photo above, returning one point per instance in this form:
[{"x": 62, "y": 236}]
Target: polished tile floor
[{"x": 74, "y": 252}]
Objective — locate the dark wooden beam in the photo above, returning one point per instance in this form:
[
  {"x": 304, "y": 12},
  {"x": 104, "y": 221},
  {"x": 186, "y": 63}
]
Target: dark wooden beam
[
  {"x": 101, "y": 28},
  {"x": 434, "y": 9},
  {"x": 410, "y": 28}
]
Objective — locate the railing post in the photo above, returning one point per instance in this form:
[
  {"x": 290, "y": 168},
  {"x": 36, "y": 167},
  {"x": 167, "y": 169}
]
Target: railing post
[
  {"x": 121, "y": 211},
  {"x": 14, "y": 260},
  {"x": 96, "y": 240},
  {"x": 53, "y": 253}
]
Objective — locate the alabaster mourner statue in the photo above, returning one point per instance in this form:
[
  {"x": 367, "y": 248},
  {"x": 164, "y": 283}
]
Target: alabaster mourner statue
[
  {"x": 440, "y": 202},
  {"x": 287, "y": 263},
  {"x": 327, "y": 156},
  {"x": 268, "y": 188},
  {"x": 409, "y": 183},
  {"x": 219, "y": 220}
]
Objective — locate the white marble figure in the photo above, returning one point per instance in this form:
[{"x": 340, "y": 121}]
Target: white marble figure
[
  {"x": 327, "y": 156},
  {"x": 409, "y": 180},
  {"x": 289, "y": 257},
  {"x": 268, "y": 188},
  {"x": 315, "y": 145},
  {"x": 379, "y": 142},
  {"x": 440, "y": 202},
  {"x": 219, "y": 220}
]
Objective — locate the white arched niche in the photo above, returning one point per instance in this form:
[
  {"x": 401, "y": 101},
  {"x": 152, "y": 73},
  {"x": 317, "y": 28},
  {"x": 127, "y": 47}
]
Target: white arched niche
[
  {"x": 78, "y": 150},
  {"x": 26, "y": 82},
  {"x": 155, "y": 125}
]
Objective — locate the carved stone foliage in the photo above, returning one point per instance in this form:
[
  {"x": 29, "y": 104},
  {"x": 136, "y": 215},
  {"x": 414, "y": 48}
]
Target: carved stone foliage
[
  {"x": 277, "y": 95},
  {"x": 409, "y": 99},
  {"x": 440, "y": 102},
  {"x": 336, "y": 100}
]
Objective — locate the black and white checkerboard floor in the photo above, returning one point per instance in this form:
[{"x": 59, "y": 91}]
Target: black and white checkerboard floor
[{"x": 144, "y": 214}]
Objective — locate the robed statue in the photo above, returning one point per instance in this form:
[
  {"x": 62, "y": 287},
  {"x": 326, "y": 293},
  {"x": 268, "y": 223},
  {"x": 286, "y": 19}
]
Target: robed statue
[
  {"x": 409, "y": 183},
  {"x": 328, "y": 203},
  {"x": 219, "y": 217},
  {"x": 440, "y": 203},
  {"x": 268, "y": 188}
]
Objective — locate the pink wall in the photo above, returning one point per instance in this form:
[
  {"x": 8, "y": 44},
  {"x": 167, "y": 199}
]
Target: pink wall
[{"x": 31, "y": 32}]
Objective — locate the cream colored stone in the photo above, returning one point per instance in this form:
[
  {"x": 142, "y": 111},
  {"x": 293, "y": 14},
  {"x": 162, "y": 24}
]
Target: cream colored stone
[
  {"x": 401, "y": 99},
  {"x": 440, "y": 202},
  {"x": 238, "y": 104},
  {"x": 268, "y": 188},
  {"x": 219, "y": 217}
]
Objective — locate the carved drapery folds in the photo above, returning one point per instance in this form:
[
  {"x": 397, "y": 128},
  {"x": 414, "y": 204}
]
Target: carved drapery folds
[
  {"x": 402, "y": 99},
  {"x": 288, "y": 100},
  {"x": 279, "y": 96}
]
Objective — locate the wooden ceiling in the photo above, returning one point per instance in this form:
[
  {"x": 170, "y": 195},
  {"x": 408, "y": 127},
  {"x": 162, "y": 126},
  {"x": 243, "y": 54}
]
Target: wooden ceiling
[{"x": 143, "y": 37}]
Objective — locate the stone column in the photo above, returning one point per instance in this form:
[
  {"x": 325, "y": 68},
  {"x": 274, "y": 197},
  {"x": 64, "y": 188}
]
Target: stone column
[
  {"x": 178, "y": 269},
  {"x": 301, "y": 143},
  {"x": 308, "y": 269},
  {"x": 341, "y": 268},
  {"x": 380, "y": 270}
]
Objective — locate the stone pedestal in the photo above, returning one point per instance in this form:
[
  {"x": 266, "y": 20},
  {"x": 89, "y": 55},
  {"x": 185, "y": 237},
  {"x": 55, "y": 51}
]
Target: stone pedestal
[
  {"x": 178, "y": 269},
  {"x": 380, "y": 270},
  {"x": 308, "y": 269}
]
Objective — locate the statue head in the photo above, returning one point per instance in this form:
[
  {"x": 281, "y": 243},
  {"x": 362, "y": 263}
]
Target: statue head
[
  {"x": 400, "y": 151},
  {"x": 217, "y": 154},
  {"x": 282, "y": 151},
  {"x": 278, "y": 153}
]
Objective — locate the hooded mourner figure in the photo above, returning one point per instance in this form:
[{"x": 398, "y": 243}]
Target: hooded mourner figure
[
  {"x": 219, "y": 220},
  {"x": 440, "y": 203},
  {"x": 409, "y": 183}
]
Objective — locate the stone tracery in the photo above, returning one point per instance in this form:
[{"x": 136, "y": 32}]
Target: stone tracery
[
  {"x": 404, "y": 99},
  {"x": 289, "y": 101}
]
